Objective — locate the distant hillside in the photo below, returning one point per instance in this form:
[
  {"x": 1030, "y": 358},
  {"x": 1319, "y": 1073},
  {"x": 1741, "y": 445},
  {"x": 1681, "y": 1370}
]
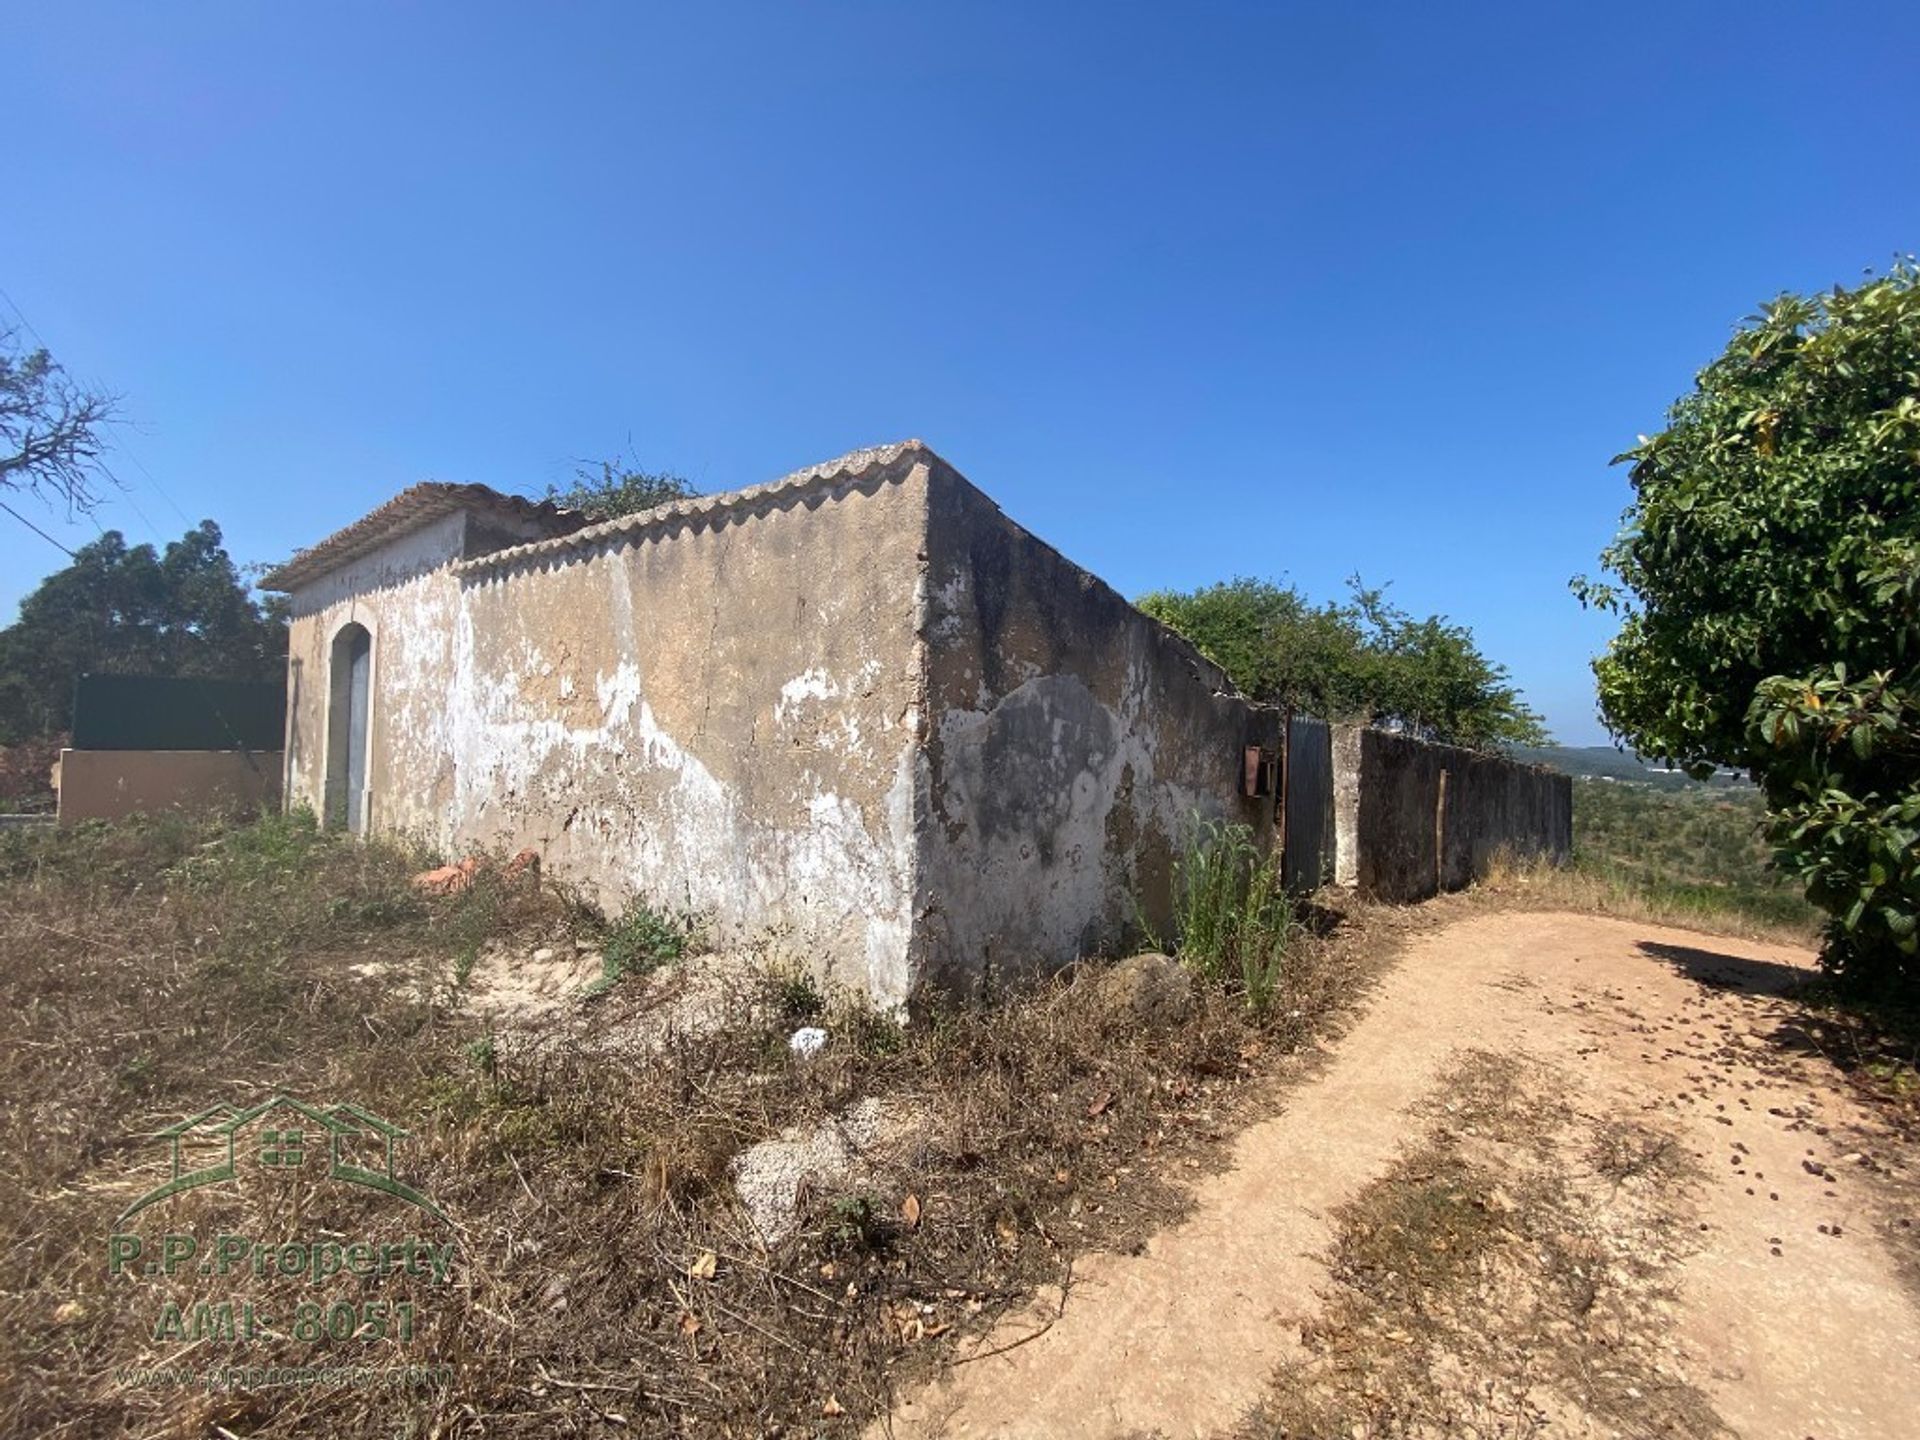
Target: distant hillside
[{"x": 1603, "y": 762}]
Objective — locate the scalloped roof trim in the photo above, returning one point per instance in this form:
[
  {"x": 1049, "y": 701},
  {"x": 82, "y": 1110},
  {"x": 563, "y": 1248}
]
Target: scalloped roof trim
[{"x": 893, "y": 461}]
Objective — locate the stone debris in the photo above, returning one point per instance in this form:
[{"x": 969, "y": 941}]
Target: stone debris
[
  {"x": 555, "y": 997},
  {"x": 1148, "y": 990},
  {"x": 828, "y": 1156},
  {"x": 808, "y": 1041},
  {"x": 510, "y": 985}
]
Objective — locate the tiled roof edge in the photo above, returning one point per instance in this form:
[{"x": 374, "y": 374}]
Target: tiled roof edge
[
  {"x": 412, "y": 508},
  {"x": 855, "y": 465}
]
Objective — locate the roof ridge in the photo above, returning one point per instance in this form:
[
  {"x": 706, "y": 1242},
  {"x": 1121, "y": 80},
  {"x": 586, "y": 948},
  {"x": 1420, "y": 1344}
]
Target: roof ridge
[
  {"x": 853, "y": 464},
  {"x": 419, "y": 504}
]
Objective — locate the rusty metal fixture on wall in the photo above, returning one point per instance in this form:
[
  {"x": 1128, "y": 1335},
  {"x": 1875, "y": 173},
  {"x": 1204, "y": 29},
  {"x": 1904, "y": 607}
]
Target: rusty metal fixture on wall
[{"x": 1258, "y": 767}]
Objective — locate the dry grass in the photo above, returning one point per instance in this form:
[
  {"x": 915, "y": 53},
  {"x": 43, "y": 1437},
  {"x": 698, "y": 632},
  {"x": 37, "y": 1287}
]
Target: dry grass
[
  {"x": 606, "y": 1278},
  {"x": 1593, "y": 891},
  {"x": 1508, "y": 1276},
  {"x": 26, "y": 767}
]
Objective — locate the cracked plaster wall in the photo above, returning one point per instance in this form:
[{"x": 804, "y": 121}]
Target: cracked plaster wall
[
  {"x": 721, "y": 715},
  {"x": 875, "y": 720},
  {"x": 1073, "y": 743}
]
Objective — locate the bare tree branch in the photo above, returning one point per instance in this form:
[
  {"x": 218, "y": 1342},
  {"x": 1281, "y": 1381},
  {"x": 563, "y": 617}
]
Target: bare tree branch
[{"x": 51, "y": 430}]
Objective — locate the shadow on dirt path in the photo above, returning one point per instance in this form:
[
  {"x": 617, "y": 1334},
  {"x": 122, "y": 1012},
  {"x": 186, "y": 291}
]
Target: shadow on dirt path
[
  {"x": 1733, "y": 1200},
  {"x": 1717, "y": 968}
]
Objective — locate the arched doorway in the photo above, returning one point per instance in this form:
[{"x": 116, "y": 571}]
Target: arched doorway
[{"x": 349, "y": 674}]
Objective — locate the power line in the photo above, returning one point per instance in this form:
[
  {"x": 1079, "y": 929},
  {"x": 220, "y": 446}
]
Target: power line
[
  {"x": 37, "y": 530},
  {"x": 24, "y": 320},
  {"x": 126, "y": 493},
  {"x": 124, "y": 488},
  {"x": 184, "y": 518}
]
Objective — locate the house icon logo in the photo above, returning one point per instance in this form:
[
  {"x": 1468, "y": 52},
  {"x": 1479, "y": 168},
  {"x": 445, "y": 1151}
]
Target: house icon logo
[{"x": 283, "y": 1134}]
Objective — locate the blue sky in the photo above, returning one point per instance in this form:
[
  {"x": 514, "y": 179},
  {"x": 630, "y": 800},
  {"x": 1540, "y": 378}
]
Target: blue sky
[{"x": 1193, "y": 291}]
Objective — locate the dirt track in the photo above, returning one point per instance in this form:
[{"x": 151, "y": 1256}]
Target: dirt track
[{"x": 1779, "y": 1302}]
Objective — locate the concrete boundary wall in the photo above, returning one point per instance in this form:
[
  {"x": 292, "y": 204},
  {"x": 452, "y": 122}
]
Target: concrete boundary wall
[
  {"x": 1413, "y": 818},
  {"x": 112, "y": 784}
]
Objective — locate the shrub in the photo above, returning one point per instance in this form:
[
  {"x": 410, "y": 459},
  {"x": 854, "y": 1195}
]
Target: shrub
[
  {"x": 1770, "y": 557},
  {"x": 1360, "y": 658},
  {"x": 1234, "y": 922},
  {"x": 1843, "y": 781},
  {"x": 642, "y": 939}
]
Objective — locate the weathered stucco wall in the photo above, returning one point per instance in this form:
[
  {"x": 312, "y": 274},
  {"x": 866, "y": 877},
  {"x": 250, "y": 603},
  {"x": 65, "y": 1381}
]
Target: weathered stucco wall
[
  {"x": 1396, "y": 835},
  {"x": 1072, "y": 743},
  {"x": 717, "y": 709},
  {"x": 1346, "y": 805},
  {"x": 719, "y": 712},
  {"x": 405, "y": 596},
  {"x": 1415, "y": 818},
  {"x": 1496, "y": 805},
  {"x": 858, "y": 713},
  {"x": 112, "y": 784}
]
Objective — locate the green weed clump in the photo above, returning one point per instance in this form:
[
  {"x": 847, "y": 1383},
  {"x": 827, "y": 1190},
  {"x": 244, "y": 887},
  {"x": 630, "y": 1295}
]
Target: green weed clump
[
  {"x": 1233, "y": 920},
  {"x": 643, "y": 939}
]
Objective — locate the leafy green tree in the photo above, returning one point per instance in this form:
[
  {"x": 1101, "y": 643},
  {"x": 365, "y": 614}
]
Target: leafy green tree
[
  {"x": 131, "y": 610},
  {"x": 618, "y": 488},
  {"x": 1841, "y": 765},
  {"x": 1783, "y": 483},
  {"x": 50, "y": 428},
  {"x": 1765, "y": 579},
  {"x": 1363, "y": 658}
]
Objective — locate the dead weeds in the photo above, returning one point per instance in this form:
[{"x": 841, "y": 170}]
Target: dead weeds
[
  {"x": 1509, "y": 1276},
  {"x": 604, "y": 1276}
]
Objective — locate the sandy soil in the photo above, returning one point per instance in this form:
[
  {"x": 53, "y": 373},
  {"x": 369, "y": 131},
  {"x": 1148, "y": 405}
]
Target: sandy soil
[{"x": 1788, "y": 1308}]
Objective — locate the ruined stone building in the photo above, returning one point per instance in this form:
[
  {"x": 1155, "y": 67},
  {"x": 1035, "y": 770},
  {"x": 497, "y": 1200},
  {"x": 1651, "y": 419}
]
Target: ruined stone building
[{"x": 857, "y": 711}]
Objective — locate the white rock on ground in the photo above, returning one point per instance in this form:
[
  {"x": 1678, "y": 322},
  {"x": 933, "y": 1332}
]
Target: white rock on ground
[{"x": 829, "y": 1155}]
